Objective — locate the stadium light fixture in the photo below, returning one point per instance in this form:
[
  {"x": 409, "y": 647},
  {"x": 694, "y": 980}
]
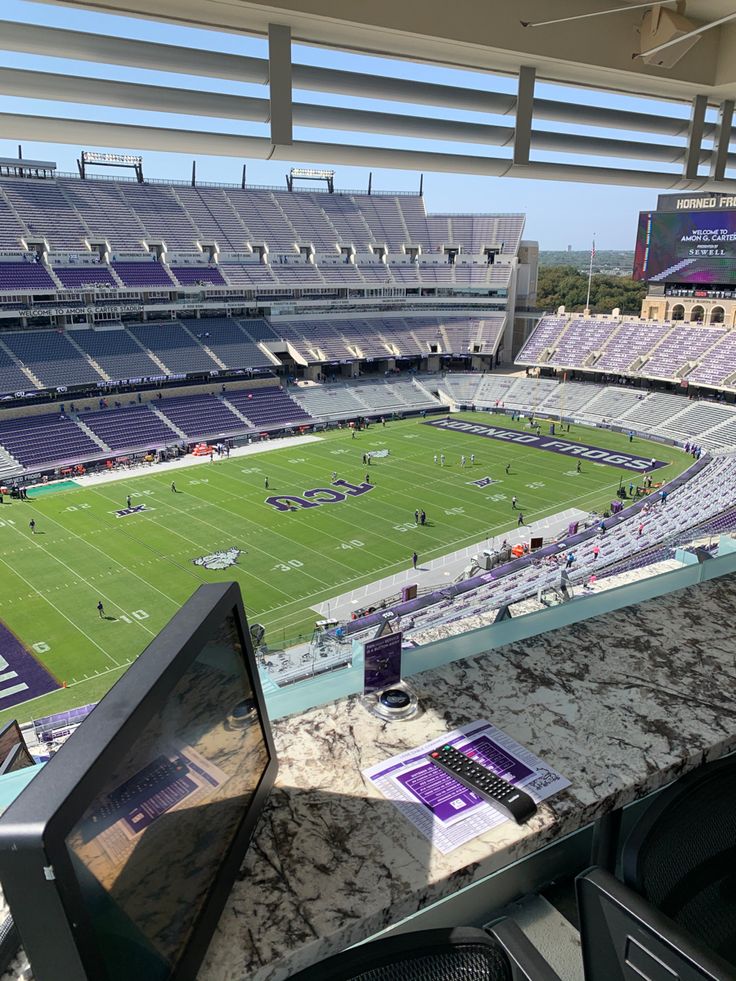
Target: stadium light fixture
[{"x": 308, "y": 172}]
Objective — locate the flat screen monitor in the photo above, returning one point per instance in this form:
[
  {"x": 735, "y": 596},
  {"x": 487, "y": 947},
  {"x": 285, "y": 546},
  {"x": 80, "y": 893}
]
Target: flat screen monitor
[
  {"x": 118, "y": 857},
  {"x": 10, "y": 736},
  {"x": 17, "y": 759}
]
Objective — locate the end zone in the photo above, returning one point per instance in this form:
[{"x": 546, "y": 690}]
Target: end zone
[{"x": 612, "y": 458}]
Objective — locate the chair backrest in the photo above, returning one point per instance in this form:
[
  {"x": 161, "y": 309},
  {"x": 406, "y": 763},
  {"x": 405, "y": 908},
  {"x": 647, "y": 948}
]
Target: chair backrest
[
  {"x": 681, "y": 855},
  {"x": 456, "y": 954},
  {"x": 624, "y": 938}
]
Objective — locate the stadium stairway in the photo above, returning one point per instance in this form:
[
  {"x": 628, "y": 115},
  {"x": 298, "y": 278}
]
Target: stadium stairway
[
  {"x": 424, "y": 390},
  {"x": 92, "y": 435},
  {"x": 87, "y": 357},
  {"x": 34, "y": 379},
  {"x": 165, "y": 419},
  {"x": 9, "y": 466},
  {"x": 658, "y": 408},
  {"x": 156, "y": 360},
  {"x": 236, "y": 411},
  {"x": 218, "y": 361}
]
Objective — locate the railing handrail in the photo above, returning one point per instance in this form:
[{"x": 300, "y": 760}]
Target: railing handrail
[{"x": 173, "y": 182}]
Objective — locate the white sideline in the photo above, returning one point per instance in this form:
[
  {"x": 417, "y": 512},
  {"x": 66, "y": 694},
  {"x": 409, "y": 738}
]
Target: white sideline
[
  {"x": 443, "y": 570},
  {"x": 125, "y": 473}
]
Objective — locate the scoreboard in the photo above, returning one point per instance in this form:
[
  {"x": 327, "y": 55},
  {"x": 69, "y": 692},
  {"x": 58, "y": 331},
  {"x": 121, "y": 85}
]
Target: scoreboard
[{"x": 688, "y": 239}]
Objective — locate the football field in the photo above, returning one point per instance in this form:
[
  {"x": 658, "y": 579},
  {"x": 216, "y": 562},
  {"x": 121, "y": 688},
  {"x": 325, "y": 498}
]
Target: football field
[{"x": 144, "y": 564}]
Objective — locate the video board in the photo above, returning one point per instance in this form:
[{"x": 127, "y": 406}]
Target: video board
[{"x": 686, "y": 247}]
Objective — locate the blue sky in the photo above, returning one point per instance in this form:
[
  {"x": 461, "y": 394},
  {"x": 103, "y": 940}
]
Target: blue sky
[{"x": 558, "y": 213}]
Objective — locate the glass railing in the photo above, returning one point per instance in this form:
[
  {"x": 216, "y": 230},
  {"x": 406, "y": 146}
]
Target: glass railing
[{"x": 326, "y": 685}]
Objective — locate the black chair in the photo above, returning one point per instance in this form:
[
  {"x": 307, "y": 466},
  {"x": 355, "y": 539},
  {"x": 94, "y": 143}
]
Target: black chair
[
  {"x": 624, "y": 938},
  {"x": 681, "y": 855},
  {"x": 459, "y": 954}
]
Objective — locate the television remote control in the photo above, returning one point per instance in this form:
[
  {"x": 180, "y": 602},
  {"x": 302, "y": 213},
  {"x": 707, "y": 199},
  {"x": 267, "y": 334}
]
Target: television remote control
[{"x": 511, "y": 801}]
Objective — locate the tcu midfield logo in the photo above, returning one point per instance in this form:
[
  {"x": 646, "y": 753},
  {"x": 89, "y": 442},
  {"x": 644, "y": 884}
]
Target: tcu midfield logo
[{"x": 318, "y": 496}]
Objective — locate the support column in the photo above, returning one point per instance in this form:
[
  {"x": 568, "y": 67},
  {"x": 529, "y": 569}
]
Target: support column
[
  {"x": 279, "y": 84},
  {"x": 721, "y": 140},
  {"x": 524, "y": 113},
  {"x": 695, "y": 138}
]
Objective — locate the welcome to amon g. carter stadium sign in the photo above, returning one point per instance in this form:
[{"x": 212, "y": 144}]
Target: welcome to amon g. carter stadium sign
[{"x": 690, "y": 238}]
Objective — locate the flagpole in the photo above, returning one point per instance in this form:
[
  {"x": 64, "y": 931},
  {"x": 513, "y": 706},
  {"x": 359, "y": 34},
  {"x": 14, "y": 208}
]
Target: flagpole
[{"x": 590, "y": 278}]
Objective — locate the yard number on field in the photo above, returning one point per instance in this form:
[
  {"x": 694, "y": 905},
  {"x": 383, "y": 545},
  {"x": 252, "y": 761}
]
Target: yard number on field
[
  {"x": 288, "y": 566},
  {"x": 353, "y": 543},
  {"x": 136, "y": 615}
]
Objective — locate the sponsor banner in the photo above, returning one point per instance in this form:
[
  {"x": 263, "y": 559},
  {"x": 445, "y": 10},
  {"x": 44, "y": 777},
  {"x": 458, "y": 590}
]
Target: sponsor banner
[
  {"x": 136, "y": 509},
  {"x": 378, "y": 453},
  {"x": 219, "y": 560},
  {"x": 581, "y": 451},
  {"x": 21, "y": 675}
]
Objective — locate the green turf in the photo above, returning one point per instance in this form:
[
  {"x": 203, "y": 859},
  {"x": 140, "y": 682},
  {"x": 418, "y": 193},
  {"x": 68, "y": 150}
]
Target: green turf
[
  {"x": 141, "y": 566},
  {"x": 58, "y": 485}
]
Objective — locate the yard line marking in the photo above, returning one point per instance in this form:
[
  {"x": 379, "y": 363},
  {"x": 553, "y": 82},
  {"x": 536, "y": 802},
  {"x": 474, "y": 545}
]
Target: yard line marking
[
  {"x": 335, "y": 516},
  {"x": 60, "y": 612},
  {"x": 202, "y": 578},
  {"x": 110, "y": 600},
  {"x": 249, "y": 521},
  {"x": 126, "y": 569}
]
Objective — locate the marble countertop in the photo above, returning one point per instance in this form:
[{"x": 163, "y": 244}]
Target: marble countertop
[{"x": 620, "y": 704}]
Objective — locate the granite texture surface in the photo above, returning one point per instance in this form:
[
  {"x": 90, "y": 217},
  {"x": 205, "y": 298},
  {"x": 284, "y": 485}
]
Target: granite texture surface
[{"x": 620, "y": 704}]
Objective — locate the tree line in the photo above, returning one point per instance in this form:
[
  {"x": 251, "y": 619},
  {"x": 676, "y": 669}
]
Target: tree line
[{"x": 566, "y": 286}]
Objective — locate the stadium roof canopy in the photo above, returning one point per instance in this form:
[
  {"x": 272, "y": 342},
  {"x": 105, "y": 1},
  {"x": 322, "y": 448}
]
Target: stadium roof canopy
[{"x": 670, "y": 52}]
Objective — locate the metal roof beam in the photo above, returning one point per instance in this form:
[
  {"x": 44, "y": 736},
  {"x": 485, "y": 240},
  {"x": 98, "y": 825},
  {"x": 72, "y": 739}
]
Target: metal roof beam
[
  {"x": 74, "y": 132},
  {"x": 158, "y": 98},
  {"x": 84, "y": 46},
  {"x": 111, "y": 49}
]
